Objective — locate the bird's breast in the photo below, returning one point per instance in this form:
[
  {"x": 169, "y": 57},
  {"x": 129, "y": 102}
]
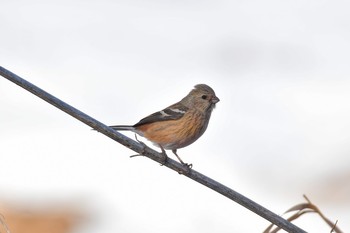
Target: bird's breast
[{"x": 174, "y": 134}]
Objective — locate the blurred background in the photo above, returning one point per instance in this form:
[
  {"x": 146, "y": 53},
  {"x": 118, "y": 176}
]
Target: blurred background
[{"x": 281, "y": 129}]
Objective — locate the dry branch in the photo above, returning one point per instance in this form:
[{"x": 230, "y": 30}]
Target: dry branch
[
  {"x": 3, "y": 223},
  {"x": 302, "y": 209}
]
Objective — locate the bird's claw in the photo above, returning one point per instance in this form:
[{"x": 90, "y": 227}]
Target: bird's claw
[
  {"x": 142, "y": 150},
  {"x": 187, "y": 168},
  {"x": 165, "y": 157}
]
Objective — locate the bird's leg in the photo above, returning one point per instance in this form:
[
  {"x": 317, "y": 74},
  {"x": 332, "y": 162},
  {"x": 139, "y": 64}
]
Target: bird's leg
[
  {"x": 165, "y": 157},
  {"x": 143, "y": 147},
  {"x": 182, "y": 162}
]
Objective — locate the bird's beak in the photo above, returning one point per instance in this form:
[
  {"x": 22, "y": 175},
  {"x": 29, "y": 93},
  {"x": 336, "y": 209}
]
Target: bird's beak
[{"x": 215, "y": 99}]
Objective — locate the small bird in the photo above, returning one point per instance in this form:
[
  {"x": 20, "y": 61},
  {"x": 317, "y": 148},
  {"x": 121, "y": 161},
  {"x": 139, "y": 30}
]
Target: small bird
[{"x": 180, "y": 124}]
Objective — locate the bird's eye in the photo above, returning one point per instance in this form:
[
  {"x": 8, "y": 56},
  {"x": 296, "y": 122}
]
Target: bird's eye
[{"x": 204, "y": 97}]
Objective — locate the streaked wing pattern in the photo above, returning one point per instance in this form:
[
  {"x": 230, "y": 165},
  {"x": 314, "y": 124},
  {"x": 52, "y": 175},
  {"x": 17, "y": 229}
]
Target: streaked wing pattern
[{"x": 173, "y": 112}]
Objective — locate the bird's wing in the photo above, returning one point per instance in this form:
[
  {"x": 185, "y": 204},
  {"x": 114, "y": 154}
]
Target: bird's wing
[{"x": 173, "y": 112}]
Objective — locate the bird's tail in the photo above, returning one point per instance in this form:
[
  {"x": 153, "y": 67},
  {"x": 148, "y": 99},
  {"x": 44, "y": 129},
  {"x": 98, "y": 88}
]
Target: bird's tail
[{"x": 122, "y": 127}]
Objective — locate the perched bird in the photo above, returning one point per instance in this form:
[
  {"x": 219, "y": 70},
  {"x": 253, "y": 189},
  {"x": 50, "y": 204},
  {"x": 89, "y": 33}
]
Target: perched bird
[{"x": 180, "y": 124}]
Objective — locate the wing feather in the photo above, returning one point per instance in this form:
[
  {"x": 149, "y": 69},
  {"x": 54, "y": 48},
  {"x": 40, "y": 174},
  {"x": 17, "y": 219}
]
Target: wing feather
[{"x": 173, "y": 112}]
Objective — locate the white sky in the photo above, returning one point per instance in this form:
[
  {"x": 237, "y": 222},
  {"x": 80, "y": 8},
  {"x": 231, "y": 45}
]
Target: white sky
[{"x": 281, "y": 129}]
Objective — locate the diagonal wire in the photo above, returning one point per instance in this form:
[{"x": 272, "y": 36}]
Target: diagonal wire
[{"x": 152, "y": 154}]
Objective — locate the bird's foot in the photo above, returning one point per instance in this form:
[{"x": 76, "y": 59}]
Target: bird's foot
[
  {"x": 189, "y": 165},
  {"x": 165, "y": 157},
  {"x": 186, "y": 170},
  {"x": 144, "y": 146}
]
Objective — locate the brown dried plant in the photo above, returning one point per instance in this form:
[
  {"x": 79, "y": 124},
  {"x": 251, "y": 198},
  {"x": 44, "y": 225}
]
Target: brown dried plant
[
  {"x": 3, "y": 223},
  {"x": 305, "y": 208}
]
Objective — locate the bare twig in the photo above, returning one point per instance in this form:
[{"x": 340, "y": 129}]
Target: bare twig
[
  {"x": 3, "y": 222},
  {"x": 152, "y": 154},
  {"x": 302, "y": 209},
  {"x": 334, "y": 226}
]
